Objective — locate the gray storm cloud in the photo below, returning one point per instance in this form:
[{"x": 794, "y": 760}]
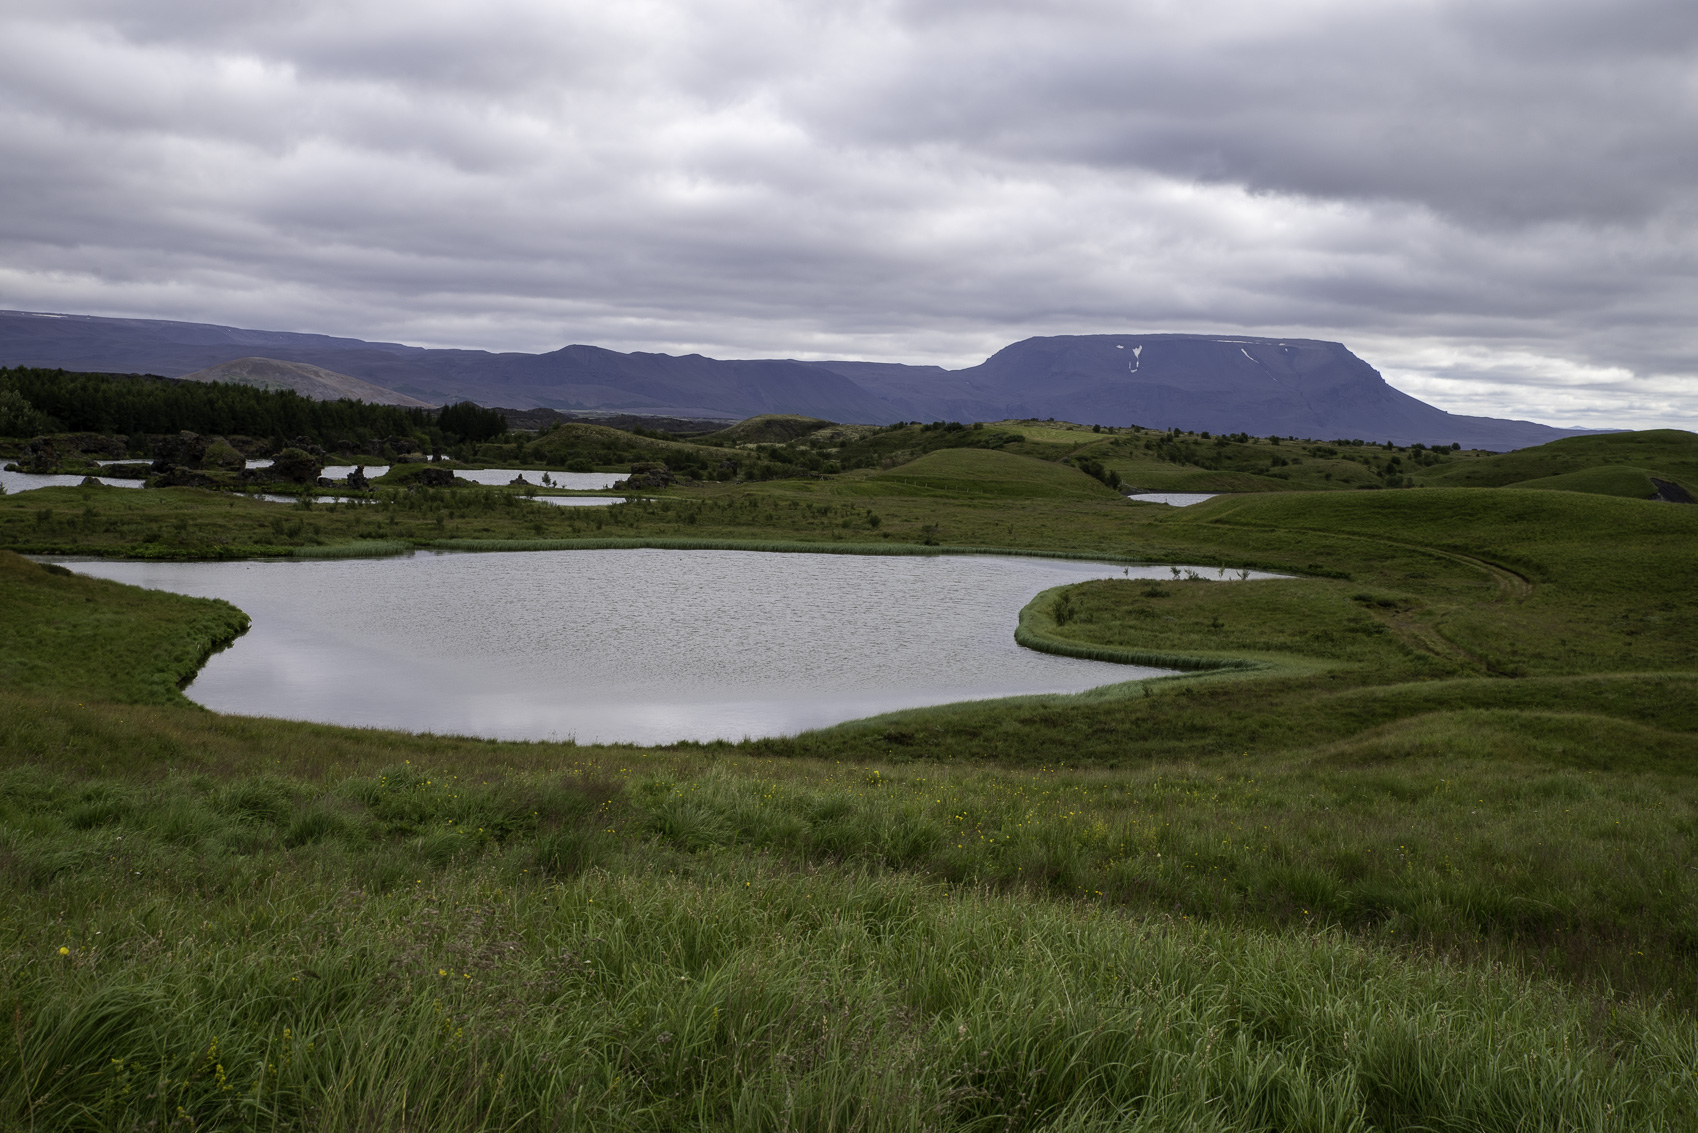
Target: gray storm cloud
[{"x": 1492, "y": 201}]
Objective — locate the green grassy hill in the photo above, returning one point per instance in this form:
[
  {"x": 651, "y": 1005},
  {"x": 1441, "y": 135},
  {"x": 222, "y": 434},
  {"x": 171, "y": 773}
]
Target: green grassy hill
[
  {"x": 1604, "y": 480},
  {"x": 768, "y": 428},
  {"x": 597, "y": 446},
  {"x": 1670, "y": 454},
  {"x": 1582, "y": 582},
  {"x": 987, "y": 472}
]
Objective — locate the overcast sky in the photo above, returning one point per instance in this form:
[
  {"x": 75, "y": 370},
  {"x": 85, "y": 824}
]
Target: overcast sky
[{"x": 1495, "y": 202}]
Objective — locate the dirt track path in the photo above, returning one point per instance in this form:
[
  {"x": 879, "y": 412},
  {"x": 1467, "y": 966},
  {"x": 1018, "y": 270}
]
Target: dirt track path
[{"x": 1421, "y": 633}]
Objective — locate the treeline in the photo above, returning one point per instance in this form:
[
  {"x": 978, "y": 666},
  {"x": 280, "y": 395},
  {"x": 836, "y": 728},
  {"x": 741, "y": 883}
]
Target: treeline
[
  {"x": 35, "y": 401},
  {"x": 128, "y": 404},
  {"x": 907, "y": 439}
]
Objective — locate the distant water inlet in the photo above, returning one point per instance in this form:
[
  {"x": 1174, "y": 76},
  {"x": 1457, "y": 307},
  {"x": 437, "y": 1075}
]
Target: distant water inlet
[
  {"x": 639, "y": 646},
  {"x": 1173, "y": 499}
]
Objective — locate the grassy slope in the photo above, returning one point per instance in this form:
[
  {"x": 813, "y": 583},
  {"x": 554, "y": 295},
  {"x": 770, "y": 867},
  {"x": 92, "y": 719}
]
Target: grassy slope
[
  {"x": 353, "y": 961},
  {"x": 1671, "y": 454},
  {"x": 983, "y": 908},
  {"x": 72, "y": 636},
  {"x": 1604, "y": 480},
  {"x": 1585, "y": 583},
  {"x": 768, "y": 428},
  {"x": 970, "y": 473}
]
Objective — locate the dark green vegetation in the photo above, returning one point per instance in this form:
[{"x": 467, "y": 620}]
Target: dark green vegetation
[
  {"x": 467, "y": 421},
  {"x": 1428, "y": 863},
  {"x": 132, "y": 405}
]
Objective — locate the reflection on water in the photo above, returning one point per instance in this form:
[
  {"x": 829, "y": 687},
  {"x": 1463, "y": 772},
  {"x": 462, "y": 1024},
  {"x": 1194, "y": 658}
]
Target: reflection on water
[{"x": 644, "y": 646}]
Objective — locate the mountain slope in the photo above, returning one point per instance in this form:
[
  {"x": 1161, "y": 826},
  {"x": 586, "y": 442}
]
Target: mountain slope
[
  {"x": 1220, "y": 383},
  {"x": 1223, "y": 384},
  {"x": 302, "y": 377}
]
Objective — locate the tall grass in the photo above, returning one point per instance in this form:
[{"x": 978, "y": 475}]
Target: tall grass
[
  {"x": 781, "y": 547},
  {"x": 358, "y": 549},
  {"x": 271, "y": 963}
]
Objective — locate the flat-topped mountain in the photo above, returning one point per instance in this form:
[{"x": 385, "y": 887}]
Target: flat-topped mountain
[
  {"x": 1221, "y": 383},
  {"x": 1224, "y": 384}
]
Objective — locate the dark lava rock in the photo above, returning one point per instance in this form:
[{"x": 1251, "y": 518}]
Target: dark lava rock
[
  {"x": 1670, "y": 492},
  {"x": 433, "y": 478},
  {"x": 185, "y": 450},
  {"x": 357, "y": 479},
  {"x": 296, "y": 466},
  {"x": 188, "y": 478},
  {"x": 648, "y": 476},
  {"x": 72, "y": 452}
]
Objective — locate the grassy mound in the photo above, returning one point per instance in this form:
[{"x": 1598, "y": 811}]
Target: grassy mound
[
  {"x": 1308, "y": 622},
  {"x": 1565, "y": 582},
  {"x": 1671, "y": 454},
  {"x": 987, "y": 472},
  {"x": 1604, "y": 480}
]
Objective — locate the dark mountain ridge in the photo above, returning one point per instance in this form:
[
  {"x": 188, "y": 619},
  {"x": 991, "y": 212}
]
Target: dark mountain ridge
[{"x": 1220, "y": 383}]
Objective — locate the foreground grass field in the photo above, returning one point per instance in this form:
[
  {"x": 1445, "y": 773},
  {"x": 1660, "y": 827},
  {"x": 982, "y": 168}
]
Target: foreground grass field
[{"x": 1428, "y": 864}]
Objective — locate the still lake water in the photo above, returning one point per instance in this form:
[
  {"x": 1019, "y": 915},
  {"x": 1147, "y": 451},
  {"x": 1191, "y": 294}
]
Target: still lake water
[
  {"x": 640, "y": 646},
  {"x": 25, "y": 481},
  {"x": 1173, "y": 499}
]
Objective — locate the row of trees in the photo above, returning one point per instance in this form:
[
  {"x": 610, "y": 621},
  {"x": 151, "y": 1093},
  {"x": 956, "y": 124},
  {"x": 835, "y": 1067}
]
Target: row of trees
[{"x": 34, "y": 401}]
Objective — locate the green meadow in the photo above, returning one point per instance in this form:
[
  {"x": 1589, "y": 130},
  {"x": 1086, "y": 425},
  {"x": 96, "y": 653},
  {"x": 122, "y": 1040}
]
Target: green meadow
[{"x": 1408, "y": 845}]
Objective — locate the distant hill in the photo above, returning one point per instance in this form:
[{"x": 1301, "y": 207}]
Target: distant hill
[
  {"x": 769, "y": 428},
  {"x": 305, "y": 379},
  {"x": 1220, "y": 383}
]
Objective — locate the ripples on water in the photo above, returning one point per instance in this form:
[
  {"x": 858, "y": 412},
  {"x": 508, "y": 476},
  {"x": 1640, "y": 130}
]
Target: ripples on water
[{"x": 642, "y": 646}]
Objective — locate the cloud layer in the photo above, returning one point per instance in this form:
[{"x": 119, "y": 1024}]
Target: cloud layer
[{"x": 1493, "y": 201}]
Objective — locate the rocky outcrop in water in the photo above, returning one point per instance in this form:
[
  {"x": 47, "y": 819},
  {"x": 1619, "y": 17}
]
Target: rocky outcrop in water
[
  {"x": 184, "y": 450},
  {"x": 70, "y": 452},
  {"x": 296, "y": 466},
  {"x": 432, "y": 478}
]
